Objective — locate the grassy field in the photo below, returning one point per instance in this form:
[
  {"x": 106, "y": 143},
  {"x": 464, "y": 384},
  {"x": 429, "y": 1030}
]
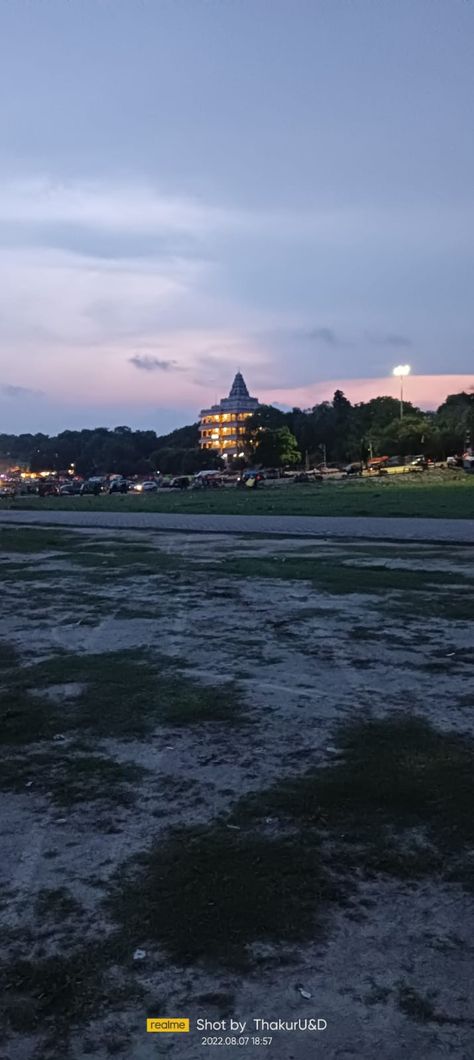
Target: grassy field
[
  {"x": 249, "y": 760},
  {"x": 434, "y": 495}
]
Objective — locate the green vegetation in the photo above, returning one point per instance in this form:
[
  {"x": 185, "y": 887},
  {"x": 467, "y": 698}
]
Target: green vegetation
[
  {"x": 54, "y": 994},
  {"x": 397, "y": 802},
  {"x": 68, "y": 777},
  {"x": 37, "y": 539},
  {"x": 393, "y": 776},
  {"x": 342, "y": 578},
  {"x": 449, "y": 495},
  {"x": 123, "y": 694},
  {"x": 135, "y": 559},
  {"x": 345, "y": 432},
  {"x": 207, "y": 893},
  {"x": 393, "y": 802},
  {"x": 275, "y": 448},
  {"x": 57, "y": 904},
  {"x": 445, "y": 606},
  {"x": 83, "y": 550},
  {"x": 420, "y": 1008}
]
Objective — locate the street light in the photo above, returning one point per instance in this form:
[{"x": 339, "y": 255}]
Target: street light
[{"x": 401, "y": 371}]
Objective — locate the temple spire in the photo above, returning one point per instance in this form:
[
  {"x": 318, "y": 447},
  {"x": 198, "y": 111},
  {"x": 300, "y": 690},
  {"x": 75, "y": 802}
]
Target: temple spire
[{"x": 239, "y": 388}]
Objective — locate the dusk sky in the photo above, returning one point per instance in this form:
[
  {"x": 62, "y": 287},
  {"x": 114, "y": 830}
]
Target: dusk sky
[{"x": 189, "y": 187}]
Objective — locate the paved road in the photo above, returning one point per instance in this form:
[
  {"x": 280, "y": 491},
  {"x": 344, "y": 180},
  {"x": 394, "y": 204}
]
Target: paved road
[{"x": 460, "y": 531}]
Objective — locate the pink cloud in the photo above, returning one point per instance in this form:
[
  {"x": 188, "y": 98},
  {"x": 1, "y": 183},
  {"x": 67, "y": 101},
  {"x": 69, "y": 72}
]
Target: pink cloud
[{"x": 427, "y": 391}]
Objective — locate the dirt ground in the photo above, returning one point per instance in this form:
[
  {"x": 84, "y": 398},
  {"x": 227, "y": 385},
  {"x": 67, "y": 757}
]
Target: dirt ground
[{"x": 167, "y": 693}]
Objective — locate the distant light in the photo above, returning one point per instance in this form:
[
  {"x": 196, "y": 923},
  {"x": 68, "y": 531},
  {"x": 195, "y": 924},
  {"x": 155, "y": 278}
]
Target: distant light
[{"x": 402, "y": 369}]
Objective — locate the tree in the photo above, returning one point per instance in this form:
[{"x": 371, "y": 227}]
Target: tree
[
  {"x": 275, "y": 448},
  {"x": 454, "y": 420},
  {"x": 266, "y": 417},
  {"x": 182, "y": 438},
  {"x": 346, "y": 441},
  {"x": 406, "y": 436},
  {"x": 347, "y": 432},
  {"x": 195, "y": 460},
  {"x": 167, "y": 460}
]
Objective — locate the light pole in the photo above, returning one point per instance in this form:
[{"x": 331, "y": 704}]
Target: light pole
[{"x": 401, "y": 371}]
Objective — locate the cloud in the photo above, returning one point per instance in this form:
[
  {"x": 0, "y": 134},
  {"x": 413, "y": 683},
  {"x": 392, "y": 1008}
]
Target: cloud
[
  {"x": 50, "y": 297},
  {"x": 19, "y": 391},
  {"x": 390, "y": 339},
  {"x": 140, "y": 207},
  {"x": 326, "y": 335},
  {"x": 146, "y": 363},
  {"x": 113, "y": 207}
]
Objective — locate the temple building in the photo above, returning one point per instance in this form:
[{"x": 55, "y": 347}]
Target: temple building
[{"x": 222, "y": 427}]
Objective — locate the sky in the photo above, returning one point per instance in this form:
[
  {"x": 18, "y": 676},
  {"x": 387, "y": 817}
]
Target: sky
[{"x": 191, "y": 187}]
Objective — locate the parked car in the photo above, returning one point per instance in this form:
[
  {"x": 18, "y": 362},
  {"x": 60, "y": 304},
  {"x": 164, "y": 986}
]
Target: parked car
[
  {"x": 181, "y": 482},
  {"x": 246, "y": 476},
  {"x": 209, "y": 480},
  {"x": 70, "y": 489},
  {"x": 146, "y": 487},
  {"x": 118, "y": 484},
  {"x": 91, "y": 486},
  {"x": 48, "y": 489}
]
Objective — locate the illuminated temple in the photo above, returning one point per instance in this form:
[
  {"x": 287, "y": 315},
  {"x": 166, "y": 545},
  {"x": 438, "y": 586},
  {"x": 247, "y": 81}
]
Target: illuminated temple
[{"x": 222, "y": 427}]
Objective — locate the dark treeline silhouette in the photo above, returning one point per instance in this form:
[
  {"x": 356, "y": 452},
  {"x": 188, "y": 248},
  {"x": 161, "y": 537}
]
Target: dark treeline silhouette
[{"x": 336, "y": 431}]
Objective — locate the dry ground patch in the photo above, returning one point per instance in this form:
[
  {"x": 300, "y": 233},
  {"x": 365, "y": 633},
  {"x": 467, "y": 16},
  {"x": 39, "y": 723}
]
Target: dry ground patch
[{"x": 250, "y": 759}]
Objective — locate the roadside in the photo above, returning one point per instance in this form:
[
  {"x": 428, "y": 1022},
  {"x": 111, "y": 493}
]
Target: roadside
[
  {"x": 387, "y": 529},
  {"x": 430, "y": 494}
]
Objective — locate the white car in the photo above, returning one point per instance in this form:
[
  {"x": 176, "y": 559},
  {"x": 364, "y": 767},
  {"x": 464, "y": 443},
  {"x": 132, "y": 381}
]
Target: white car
[{"x": 146, "y": 487}]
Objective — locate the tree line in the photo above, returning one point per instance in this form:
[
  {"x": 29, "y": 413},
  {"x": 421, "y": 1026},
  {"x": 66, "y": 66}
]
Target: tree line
[{"x": 336, "y": 431}]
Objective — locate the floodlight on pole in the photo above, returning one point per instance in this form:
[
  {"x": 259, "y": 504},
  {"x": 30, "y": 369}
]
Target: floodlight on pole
[{"x": 401, "y": 371}]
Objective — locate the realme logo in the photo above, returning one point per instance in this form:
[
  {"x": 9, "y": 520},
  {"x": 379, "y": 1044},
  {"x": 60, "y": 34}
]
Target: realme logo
[{"x": 168, "y": 1026}]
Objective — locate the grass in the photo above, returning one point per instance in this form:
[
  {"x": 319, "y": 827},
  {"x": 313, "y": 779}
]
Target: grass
[
  {"x": 56, "y": 904},
  {"x": 54, "y": 994},
  {"x": 135, "y": 559},
  {"x": 394, "y": 803},
  {"x": 432, "y": 495},
  {"x": 394, "y": 777},
  {"x": 444, "y": 606},
  {"x": 206, "y": 894},
  {"x": 70, "y": 777},
  {"x": 88, "y": 552},
  {"x": 397, "y": 802},
  {"x": 125, "y": 694},
  {"x": 339, "y": 577},
  {"x": 36, "y": 539},
  {"x": 420, "y": 1008}
]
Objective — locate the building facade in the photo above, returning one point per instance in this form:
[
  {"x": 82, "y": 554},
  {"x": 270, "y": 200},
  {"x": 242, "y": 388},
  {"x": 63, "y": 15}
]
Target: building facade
[{"x": 222, "y": 427}]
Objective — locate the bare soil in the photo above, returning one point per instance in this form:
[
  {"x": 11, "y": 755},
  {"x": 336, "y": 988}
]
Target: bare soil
[{"x": 280, "y": 634}]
